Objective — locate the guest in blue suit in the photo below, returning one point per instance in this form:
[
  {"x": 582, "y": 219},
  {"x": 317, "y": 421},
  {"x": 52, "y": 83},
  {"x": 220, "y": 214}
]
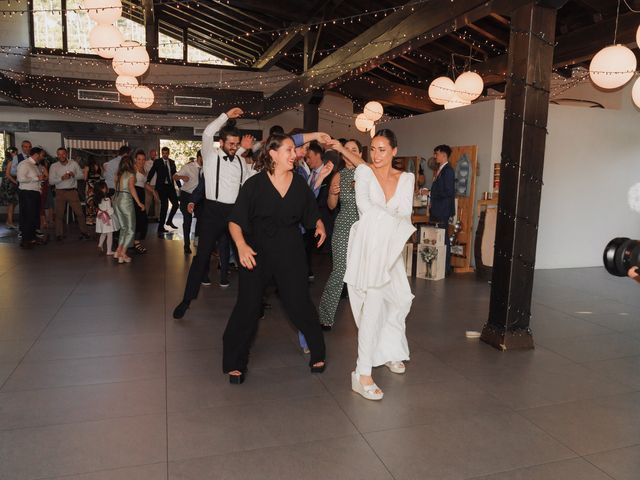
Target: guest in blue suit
[{"x": 443, "y": 195}]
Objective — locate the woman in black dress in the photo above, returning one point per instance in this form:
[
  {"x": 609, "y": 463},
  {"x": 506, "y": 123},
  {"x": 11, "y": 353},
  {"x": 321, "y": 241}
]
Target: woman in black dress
[{"x": 264, "y": 225}]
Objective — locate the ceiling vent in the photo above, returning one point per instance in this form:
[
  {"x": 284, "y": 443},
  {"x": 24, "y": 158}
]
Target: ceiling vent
[
  {"x": 197, "y": 102},
  {"x": 98, "y": 96}
]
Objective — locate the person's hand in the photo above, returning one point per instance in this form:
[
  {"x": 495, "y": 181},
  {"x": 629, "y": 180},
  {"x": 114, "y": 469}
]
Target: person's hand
[
  {"x": 190, "y": 207},
  {"x": 334, "y": 144},
  {"x": 633, "y": 273},
  {"x": 327, "y": 168},
  {"x": 335, "y": 189},
  {"x": 247, "y": 256},
  {"x": 141, "y": 205},
  {"x": 235, "y": 112},
  {"x": 322, "y": 137},
  {"x": 247, "y": 141},
  {"x": 423, "y": 191},
  {"x": 320, "y": 234}
]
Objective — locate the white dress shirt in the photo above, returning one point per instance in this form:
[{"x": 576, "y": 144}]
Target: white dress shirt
[
  {"x": 233, "y": 172},
  {"x": 28, "y": 174},
  {"x": 191, "y": 170},
  {"x": 110, "y": 170},
  {"x": 57, "y": 170},
  {"x": 147, "y": 168}
]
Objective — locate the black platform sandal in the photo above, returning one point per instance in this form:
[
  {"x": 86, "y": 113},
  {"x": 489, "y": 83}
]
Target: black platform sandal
[
  {"x": 236, "y": 379},
  {"x": 318, "y": 368}
]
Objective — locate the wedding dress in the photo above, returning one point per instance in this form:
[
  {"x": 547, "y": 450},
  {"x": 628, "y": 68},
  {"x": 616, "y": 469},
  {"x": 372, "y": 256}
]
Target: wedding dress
[{"x": 379, "y": 291}]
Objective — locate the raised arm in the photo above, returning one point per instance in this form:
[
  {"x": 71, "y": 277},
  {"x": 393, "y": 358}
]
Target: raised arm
[
  {"x": 349, "y": 156},
  {"x": 334, "y": 192},
  {"x": 213, "y": 128}
]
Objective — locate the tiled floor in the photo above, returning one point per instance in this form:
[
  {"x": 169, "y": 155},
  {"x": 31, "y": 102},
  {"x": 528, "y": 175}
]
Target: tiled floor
[{"x": 98, "y": 382}]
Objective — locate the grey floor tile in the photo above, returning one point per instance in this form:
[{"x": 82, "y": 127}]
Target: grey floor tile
[
  {"x": 13, "y": 350},
  {"x": 131, "y": 323},
  {"x": 622, "y": 370},
  {"x": 82, "y": 447},
  {"x": 417, "y": 404},
  {"x": 594, "y": 348},
  {"x": 574, "y": 469},
  {"x": 156, "y": 471},
  {"x": 24, "y": 323},
  {"x": 465, "y": 448},
  {"x": 30, "y": 408},
  {"x": 95, "y": 346},
  {"x": 268, "y": 384},
  {"x": 5, "y": 370},
  {"x": 86, "y": 371},
  {"x": 348, "y": 458},
  {"x": 220, "y": 430},
  {"x": 592, "y": 426},
  {"x": 622, "y": 464},
  {"x": 626, "y": 320},
  {"x": 528, "y": 389}
]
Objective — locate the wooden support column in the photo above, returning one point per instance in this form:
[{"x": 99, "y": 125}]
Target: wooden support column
[
  {"x": 530, "y": 62},
  {"x": 151, "y": 29}
]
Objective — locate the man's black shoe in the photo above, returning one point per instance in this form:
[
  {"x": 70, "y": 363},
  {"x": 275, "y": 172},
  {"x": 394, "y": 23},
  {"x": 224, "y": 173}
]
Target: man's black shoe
[
  {"x": 170, "y": 224},
  {"x": 206, "y": 281},
  {"x": 224, "y": 281},
  {"x": 180, "y": 310},
  {"x": 187, "y": 250}
]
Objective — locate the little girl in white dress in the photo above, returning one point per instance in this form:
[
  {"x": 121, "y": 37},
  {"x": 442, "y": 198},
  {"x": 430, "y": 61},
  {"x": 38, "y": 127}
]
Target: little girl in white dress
[{"x": 106, "y": 221}]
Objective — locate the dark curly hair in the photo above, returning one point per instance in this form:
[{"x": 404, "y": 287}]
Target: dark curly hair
[{"x": 264, "y": 160}]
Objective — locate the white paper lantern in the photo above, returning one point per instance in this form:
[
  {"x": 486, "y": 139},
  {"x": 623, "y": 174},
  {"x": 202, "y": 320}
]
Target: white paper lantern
[
  {"x": 469, "y": 86},
  {"x": 373, "y": 111},
  {"x": 363, "y": 123},
  {"x": 142, "y": 96},
  {"x": 634, "y": 197},
  {"x": 126, "y": 85},
  {"x": 441, "y": 90},
  {"x": 104, "y": 40},
  {"x": 131, "y": 59},
  {"x": 456, "y": 102},
  {"x": 638, "y": 37},
  {"x": 372, "y": 132},
  {"x": 612, "y": 67},
  {"x": 103, "y": 12}
]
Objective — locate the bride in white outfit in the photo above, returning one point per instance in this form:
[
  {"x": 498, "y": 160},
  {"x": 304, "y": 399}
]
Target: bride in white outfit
[{"x": 376, "y": 277}]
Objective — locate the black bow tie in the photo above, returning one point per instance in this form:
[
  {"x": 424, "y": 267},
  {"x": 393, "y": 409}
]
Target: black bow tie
[{"x": 228, "y": 158}]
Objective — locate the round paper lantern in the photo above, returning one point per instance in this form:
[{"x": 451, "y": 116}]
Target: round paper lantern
[
  {"x": 126, "y": 85},
  {"x": 469, "y": 86},
  {"x": 372, "y": 132},
  {"x": 142, "y": 96},
  {"x": 131, "y": 59},
  {"x": 103, "y": 12},
  {"x": 104, "y": 40},
  {"x": 373, "y": 111},
  {"x": 612, "y": 67},
  {"x": 635, "y": 93},
  {"x": 456, "y": 102},
  {"x": 441, "y": 90},
  {"x": 363, "y": 123}
]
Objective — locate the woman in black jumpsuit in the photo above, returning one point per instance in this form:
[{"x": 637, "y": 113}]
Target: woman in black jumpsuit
[{"x": 265, "y": 227}]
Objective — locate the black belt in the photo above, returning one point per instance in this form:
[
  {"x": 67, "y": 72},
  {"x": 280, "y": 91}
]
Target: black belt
[{"x": 65, "y": 189}]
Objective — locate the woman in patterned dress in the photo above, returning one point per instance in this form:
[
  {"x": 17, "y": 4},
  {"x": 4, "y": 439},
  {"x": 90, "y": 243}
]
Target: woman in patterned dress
[
  {"x": 9, "y": 186},
  {"x": 341, "y": 190}
]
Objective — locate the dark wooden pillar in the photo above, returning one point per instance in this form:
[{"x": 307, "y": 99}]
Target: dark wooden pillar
[
  {"x": 311, "y": 113},
  {"x": 523, "y": 145},
  {"x": 151, "y": 29}
]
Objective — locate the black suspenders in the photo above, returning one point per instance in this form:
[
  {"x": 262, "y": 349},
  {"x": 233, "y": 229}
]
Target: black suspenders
[{"x": 218, "y": 174}]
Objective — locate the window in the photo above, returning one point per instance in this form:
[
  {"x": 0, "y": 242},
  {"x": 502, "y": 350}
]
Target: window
[
  {"x": 169, "y": 47},
  {"x": 196, "y": 55},
  {"x": 47, "y": 24}
]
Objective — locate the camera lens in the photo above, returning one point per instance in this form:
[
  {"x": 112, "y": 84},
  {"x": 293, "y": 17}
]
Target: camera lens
[{"x": 620, "y": 255}]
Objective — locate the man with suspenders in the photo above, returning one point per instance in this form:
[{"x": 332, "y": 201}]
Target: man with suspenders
[{"x": 224, "y": 172}]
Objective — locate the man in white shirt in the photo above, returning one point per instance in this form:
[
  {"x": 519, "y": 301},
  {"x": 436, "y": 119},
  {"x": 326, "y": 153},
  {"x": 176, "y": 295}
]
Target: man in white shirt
[
  {"x": 64, "y": 176},
  {"x": 224, "y": 172},
  {"x": 110, "y": 168},
  {"x": 152, "y": 199},
  {"x": 29, "y": 184},
  {"x": 189, "y": 174}
]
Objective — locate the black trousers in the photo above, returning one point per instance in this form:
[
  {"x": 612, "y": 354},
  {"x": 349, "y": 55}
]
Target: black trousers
[
  {"x": 310, "y": 245},
  {"x": 187, "y": 218},
  {"x": 29, "y": 214},
  {"x": 142, "y": 220},
  {"x": 214, "y": 221},
  {"x": 289, "y": 275},
  {"x": 166, "y": 193}
]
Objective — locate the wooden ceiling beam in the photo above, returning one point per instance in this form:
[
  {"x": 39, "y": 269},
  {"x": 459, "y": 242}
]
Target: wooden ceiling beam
[
  {"x": 488, "y": 35},
  {"x": 385, "y": 40},
  {"x": 278, "y": 48},
  {"x": 388, "y": 93}
]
